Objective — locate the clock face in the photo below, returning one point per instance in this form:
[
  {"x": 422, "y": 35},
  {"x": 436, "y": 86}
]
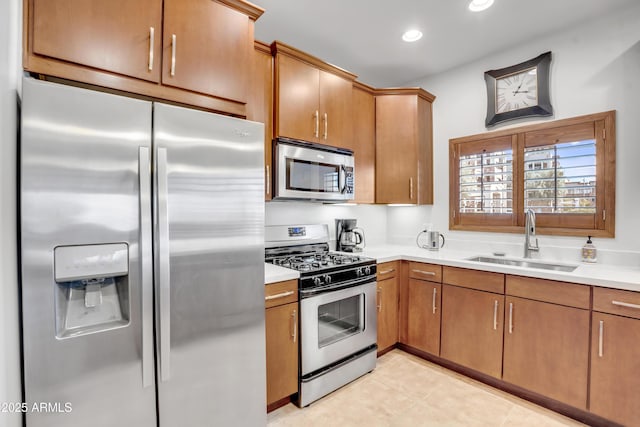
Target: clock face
[{"x": 517, "y": 91}]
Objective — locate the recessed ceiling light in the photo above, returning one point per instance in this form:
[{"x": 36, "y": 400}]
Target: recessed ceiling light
[
  {"x": 412, "y": 35},
  {"x": 479, "y": 5}
]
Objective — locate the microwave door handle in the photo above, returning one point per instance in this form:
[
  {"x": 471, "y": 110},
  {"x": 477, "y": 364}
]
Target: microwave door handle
[{"x": 342, "y": 180}]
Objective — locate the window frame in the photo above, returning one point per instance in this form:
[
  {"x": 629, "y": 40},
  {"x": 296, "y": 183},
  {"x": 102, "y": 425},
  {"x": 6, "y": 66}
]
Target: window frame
[{"x": 601, "y": 127}]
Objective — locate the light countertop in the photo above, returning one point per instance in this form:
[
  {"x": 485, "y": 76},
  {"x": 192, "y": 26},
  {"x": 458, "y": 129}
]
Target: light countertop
[
  {"x": 608, "y": 276},
  {"x": 274, "y": 273}
]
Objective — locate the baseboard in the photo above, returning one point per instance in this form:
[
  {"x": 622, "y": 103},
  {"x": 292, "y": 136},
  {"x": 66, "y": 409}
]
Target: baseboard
[{"x": 278, "y": 404}]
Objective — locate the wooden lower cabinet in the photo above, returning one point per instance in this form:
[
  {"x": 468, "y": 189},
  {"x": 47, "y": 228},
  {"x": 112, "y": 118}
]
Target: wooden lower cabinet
[
  {"x": 472, "y": 329},
  {"x": 615, "y": 368},
  {"x": 423, "y": 312},
  {"x": 546, "y": 349},
  {"x": 281, "y": 324},
  {"x": 387, "y": 303}
]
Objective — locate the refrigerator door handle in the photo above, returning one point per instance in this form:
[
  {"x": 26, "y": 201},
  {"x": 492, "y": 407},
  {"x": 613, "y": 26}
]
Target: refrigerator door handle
[
  {"x": 146, "y": 254},
  {"x": 164, "y": 284}
]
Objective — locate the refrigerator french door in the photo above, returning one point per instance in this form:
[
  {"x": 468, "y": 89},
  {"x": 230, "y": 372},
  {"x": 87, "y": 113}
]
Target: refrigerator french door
[{"x": 142, "y": 262}]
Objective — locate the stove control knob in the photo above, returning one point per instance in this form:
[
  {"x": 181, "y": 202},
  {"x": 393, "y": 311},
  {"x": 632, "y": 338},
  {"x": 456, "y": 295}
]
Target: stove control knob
[
  {"x": 317, "y": 281},
  {"x": 327, "y": 279},
  {"x": 367, "y": 270},
  {"x": 359, "y": 272}
]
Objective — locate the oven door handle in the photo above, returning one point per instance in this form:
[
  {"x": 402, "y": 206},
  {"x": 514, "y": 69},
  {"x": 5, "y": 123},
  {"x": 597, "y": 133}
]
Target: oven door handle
[{"x": 336, "y": 286}]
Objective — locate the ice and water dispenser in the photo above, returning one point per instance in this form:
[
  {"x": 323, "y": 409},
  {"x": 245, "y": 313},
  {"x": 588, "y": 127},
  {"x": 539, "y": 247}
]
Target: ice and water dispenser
[{"x": 92, "y": 288}]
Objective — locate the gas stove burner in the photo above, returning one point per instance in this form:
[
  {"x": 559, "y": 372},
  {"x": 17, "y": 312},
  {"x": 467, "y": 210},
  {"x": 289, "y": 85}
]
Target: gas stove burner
[{"x": 317, "y": 261}]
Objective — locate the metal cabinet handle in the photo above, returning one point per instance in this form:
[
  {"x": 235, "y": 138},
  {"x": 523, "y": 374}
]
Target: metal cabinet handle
[
  {"x": 435, "y": 293},
  {"x": 387, "y": 271},
  {"x": 294, "y": 317},
  {"x": 510, "y": 317},
  {"x": 268, "y": 181},
  {"x": 173, "y": 55},
  {"x": 428, "y": 273},
  {"x": 379, "y": 299},
  {"x": 495, "y": 316},
  {"x": 164, "y": 274},
  {"x": 280, "y": 295},
  {"x": 146, "y": 256},
  {"x": 316, "y": 115},
  {"x": 325, "y": 118},
  {"x": 411, "y": 188},
  {"x": 600, "y": 339},
  {"x": 626, "y": 304},
  {"x": 151, "y": 46}
]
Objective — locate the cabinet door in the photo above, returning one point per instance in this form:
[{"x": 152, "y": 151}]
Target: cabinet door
[
  {"x": 363, "y": 144},
  {"x": 336, "y": 124},
  {"x": 396, "y": 154},
  {"x": 259, "y": 107},
  {"x": 282, "y": 351},
  {"x": 109, "y": 35},
  {"x": 212, "y": 48},
  {"x": 297, "y": 99},
  {"x": 423, "y": 328},
  {"x": 387, "y": 301},
  {"x": 615, "y": 368},
  {"x": 546, "y": 349},
  {"x": 472, "y": 327}
]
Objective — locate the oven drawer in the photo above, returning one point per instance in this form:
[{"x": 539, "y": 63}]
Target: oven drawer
[{"x": 336, "y": 324}]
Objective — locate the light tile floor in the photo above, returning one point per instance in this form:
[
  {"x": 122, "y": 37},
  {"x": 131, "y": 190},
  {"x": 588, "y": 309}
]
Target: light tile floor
[{"x": 405, "y": 390}]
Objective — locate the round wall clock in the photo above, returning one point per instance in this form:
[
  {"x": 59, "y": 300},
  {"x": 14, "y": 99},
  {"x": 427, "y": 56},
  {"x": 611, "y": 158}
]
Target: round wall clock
[{"x": 520, "y": 90}]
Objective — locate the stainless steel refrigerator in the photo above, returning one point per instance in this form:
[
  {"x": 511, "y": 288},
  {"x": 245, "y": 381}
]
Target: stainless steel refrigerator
[{"x": 142, "y": 262}]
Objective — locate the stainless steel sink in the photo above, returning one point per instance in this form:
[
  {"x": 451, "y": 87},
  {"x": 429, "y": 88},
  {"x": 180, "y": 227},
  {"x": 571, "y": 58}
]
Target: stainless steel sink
[{"x": 524, "y": 263}]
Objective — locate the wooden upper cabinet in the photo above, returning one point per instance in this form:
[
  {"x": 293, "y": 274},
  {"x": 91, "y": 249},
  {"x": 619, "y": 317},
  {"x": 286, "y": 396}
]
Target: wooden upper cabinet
[
  {"x": 404, "y": 146},
  {"x": 336, "y": 125},
  {"x": 212, "y": 48},
  {"x": 363, "y": 142},
  {"x": 196, "y": 52},
  {"x": 260, "y": 106},
  {"x": 313, "y": 100},
  {"x": 108, "y": 35},
  {"x": 297, "y": 110}
]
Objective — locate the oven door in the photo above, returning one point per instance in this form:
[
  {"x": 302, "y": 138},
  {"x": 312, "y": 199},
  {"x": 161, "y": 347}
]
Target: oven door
[
  {"x": 336, "y": 324},
  {"x": 304, "y": 172}
]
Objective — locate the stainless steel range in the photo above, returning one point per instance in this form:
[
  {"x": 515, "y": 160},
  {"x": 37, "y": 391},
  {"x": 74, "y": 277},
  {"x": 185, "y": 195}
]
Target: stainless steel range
[{"x": 337, "y": 308}]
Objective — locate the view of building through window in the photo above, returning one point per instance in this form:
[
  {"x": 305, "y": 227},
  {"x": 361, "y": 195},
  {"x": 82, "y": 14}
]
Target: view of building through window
[
  {"x": 561, "y": 178},
  {"x": 486, "y": 182}
]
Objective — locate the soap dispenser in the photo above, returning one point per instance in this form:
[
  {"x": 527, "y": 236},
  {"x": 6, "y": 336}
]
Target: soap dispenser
[{"x": 589, "y": 253}]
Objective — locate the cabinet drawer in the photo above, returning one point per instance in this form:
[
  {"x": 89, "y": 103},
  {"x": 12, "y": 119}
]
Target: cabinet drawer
[
  {"x": 422, "y": 271},
  {"x": 387, "y": 270},
  {"x": 474, "y": 279},
  {"x": 615, "y": 301},
  {"x": 563, "y": 293},
  {"x": 280, "y": 293}
]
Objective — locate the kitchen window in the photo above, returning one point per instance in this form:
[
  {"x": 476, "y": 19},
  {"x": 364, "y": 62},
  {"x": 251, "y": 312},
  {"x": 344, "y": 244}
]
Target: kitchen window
[{"x": 562, "y": 170}]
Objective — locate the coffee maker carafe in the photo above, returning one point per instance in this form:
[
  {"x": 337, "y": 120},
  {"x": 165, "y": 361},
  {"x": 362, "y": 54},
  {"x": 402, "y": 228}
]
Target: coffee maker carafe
[{"x": 349, "y": 238}]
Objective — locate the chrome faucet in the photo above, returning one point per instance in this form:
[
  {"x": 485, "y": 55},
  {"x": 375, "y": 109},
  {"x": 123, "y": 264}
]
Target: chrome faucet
[{"x": 530, "y": 233}]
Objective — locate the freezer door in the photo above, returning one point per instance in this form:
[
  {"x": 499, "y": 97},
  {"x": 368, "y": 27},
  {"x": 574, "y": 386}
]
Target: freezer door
[
  {"x": 209, "y": 270},
  {"x": 84, "y": 157}
]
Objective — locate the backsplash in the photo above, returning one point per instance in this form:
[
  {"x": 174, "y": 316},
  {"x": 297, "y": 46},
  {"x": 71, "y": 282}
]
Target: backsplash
[{"x": 371, "y": 218}]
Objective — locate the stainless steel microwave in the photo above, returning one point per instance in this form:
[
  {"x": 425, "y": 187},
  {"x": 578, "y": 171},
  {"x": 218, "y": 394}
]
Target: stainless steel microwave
[{"x": 307, "y": 171}]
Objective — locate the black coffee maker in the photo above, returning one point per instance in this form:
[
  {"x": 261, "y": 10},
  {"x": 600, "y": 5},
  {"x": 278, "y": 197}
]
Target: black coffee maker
[{"x": 349, "y": 238}]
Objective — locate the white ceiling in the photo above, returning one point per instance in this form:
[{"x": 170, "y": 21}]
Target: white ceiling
[{"x": 364, "y": 36}]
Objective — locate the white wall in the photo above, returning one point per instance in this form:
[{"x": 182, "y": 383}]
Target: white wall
[
  {"x": 372, "y": 219},
  {"x": 10, "y": 64},
  {"x": 595, "y": 68}
]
